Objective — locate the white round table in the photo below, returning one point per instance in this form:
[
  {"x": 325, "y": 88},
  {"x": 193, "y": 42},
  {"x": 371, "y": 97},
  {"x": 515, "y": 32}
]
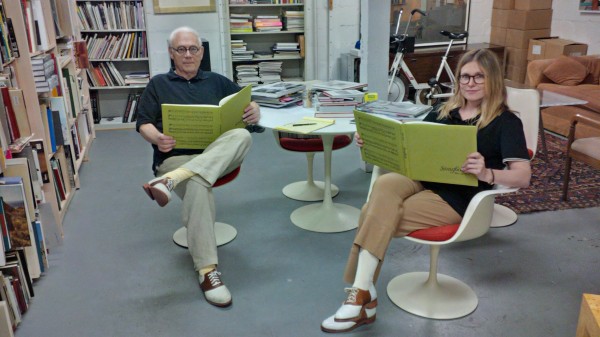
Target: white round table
[{"x": 327, "y": 216}]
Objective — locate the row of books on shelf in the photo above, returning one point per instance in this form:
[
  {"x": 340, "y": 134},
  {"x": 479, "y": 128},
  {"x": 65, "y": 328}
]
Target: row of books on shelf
[
  {"x": 35, "y": 26},
  {"x": 247, "y": 23},
  {"x": 9, "y": 48},
  {"x": 106, "y": 74},
  {"x": 240, "y": 52},
  {"x": 110, "y": 15},
  {"x": 261, "y": 73},
  {"x": 117, "y": 46},
  {"x": 265, "y": 2}
]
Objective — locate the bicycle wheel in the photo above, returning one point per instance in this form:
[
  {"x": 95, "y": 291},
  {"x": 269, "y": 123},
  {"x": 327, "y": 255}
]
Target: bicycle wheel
[
  {"x": 399, "y": 90},
  {"x": 421, "y": 96}
]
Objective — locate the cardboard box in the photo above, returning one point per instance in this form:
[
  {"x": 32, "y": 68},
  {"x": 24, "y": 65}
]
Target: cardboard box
[
  {"x": 516, "y": 57},
  {"x": 517, "y": 38},
  {"x": 526, "y": 20},
  {"x": 504, "y": 4},
  {"x": 548, "y": 48},
  {"x": 500, "y": 17},
  {"x": 527, "y": 5},
  {"x": 498, "y": 36},
  {"x": 516, "y": 74}
]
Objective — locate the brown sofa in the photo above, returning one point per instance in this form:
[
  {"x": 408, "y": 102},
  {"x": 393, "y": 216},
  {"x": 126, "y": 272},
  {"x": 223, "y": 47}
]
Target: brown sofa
[{"x": 577, "y": 77}]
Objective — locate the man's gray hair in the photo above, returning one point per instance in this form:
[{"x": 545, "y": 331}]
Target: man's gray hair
[{"x": 184, "y": 29}]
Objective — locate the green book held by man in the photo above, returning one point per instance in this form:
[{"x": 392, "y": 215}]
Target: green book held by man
[
  {"x": 195, "y": 126},
  {"x": 419, "y": 150}
]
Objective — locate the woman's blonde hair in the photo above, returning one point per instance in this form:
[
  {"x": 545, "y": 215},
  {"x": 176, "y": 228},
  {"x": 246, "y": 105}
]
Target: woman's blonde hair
[{"x": 493, "y": 102}]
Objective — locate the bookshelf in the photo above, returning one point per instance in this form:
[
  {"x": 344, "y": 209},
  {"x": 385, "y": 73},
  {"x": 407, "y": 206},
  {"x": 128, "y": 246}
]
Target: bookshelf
[
  {"x": 266, "y": 31},
  {"x": 48, "y": 91},
  {"x": 115, "y": 32}
]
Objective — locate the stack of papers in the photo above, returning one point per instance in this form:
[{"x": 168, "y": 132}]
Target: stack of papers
[
  {"x": 277, "y": 95},
  {"x": 395, "y": 110}
]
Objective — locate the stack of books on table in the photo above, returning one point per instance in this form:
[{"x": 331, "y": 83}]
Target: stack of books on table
[
  {"x": 277, "y": 95},
  {"x": 43, "y": 72},
  {"x": 267, "y": 23},
  {"x": 137, "y": 78},
  {"x": 396, "y": 110},
  {"x": 337, "y": 103},
  {"x": 286, "y": 49},
  {"x": 247, "y": 74},
  {"x": 269, "y": 72}
]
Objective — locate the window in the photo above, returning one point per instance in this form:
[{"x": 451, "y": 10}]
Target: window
[{"x": 449, "y": 15}]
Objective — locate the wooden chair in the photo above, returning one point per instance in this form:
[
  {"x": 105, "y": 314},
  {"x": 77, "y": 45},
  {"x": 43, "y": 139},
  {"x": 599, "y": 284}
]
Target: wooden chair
[
  {"x": 308, "y": 190},
  {"x": 586, "y": 150},
  {"x": 224, "y": 233}
]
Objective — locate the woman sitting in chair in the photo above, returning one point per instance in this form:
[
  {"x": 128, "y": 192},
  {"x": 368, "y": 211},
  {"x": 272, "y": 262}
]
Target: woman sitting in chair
[{"x": 398, "y": 205}]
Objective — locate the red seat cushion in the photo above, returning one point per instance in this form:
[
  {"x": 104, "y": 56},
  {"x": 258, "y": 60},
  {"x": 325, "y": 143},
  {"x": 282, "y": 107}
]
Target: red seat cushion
[
  {"x": 227, "y": 178},
  {"x": 312, "y": 144},
  {"x": 441, "y": 233}
]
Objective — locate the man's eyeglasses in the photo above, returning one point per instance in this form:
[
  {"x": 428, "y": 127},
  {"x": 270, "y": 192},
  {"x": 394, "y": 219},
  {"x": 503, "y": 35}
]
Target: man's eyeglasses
[
  {"x": 465, "y": 79},
  {"x": 182, "y": 50}
]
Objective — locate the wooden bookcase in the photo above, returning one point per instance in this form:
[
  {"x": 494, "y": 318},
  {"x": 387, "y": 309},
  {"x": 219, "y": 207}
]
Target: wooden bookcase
[
  {"x": 293, "y": 66},
  {"x": 71, "y": 96},
  {"x": 112, "y": 100}
]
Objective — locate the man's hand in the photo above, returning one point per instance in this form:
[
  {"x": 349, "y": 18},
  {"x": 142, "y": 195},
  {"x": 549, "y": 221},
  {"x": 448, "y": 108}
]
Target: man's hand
[
  {"x": 251, "y": 114},
  {"x": 165, "y": 143}
]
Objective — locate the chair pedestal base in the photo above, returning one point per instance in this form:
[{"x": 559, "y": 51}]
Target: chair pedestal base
[
  {"x": 308, "y": 191},
  {"x": 224, "y": 234},
  {"x": 326, "y": 217},
  {"x": 503, "y": 216},
  {"x": 449, "y": 298}
]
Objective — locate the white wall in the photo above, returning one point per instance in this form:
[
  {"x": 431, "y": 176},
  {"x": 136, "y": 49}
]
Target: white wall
[
  {"x": 336, "y": 31},
  {"x": 159, "y": 26}
]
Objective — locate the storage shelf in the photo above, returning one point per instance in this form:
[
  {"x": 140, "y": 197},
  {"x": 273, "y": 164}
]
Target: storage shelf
[
  {"x": 140, "y": 86},
  {"x": 271, "y": 33},
  {"x": 120, "y": 60},
  {"x": 113, "y": 30},
  {"x": 270, "y": 59},
  {"x": 114, "y": 124},
  {"x": 265, "y": 5}
]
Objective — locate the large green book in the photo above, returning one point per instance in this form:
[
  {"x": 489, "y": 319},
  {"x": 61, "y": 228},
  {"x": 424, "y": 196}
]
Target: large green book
[
  {"x": 195, "y": 126},
  {"x": 419, "y": 150}
]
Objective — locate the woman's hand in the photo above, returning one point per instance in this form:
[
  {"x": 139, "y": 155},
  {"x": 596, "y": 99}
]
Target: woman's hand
[
  {"x": 165, "y": 143},
  {"x": 358, "y": 140},
  {"x": 475, "y": 164}
]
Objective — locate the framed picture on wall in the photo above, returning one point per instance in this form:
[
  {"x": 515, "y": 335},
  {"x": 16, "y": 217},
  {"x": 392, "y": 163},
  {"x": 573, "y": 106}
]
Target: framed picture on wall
[
  {"x": 589, "y": 6},
  {"x": 183, "y": 6}
]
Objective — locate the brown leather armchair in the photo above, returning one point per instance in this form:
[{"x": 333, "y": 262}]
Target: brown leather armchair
[{"x": 586, "y": 150}]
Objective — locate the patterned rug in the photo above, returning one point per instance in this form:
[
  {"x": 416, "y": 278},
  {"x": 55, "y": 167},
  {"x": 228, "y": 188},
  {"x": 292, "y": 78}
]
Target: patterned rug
[{"x": 545, "y": 190}]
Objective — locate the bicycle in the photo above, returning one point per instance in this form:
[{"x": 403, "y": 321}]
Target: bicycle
[{"x": 426, "y": 93}]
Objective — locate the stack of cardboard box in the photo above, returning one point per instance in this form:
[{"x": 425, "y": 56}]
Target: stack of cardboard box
[
  {"x": 514, "y": 22},
  {"x": 552, "y": 47}
]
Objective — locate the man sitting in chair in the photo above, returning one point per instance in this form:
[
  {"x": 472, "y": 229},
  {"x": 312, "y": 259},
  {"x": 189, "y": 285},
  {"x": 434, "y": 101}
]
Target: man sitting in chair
[{"x": 191, "y": 173}]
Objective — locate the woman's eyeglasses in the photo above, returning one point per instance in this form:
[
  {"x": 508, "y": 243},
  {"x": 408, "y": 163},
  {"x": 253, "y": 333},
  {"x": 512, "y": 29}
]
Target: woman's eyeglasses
[
  {"x": 465, "y": 79},
  {"x": 182, "y": 50}
]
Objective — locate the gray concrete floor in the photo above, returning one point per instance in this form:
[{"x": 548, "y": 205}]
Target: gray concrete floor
[{"x": 119, "y": 274}]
